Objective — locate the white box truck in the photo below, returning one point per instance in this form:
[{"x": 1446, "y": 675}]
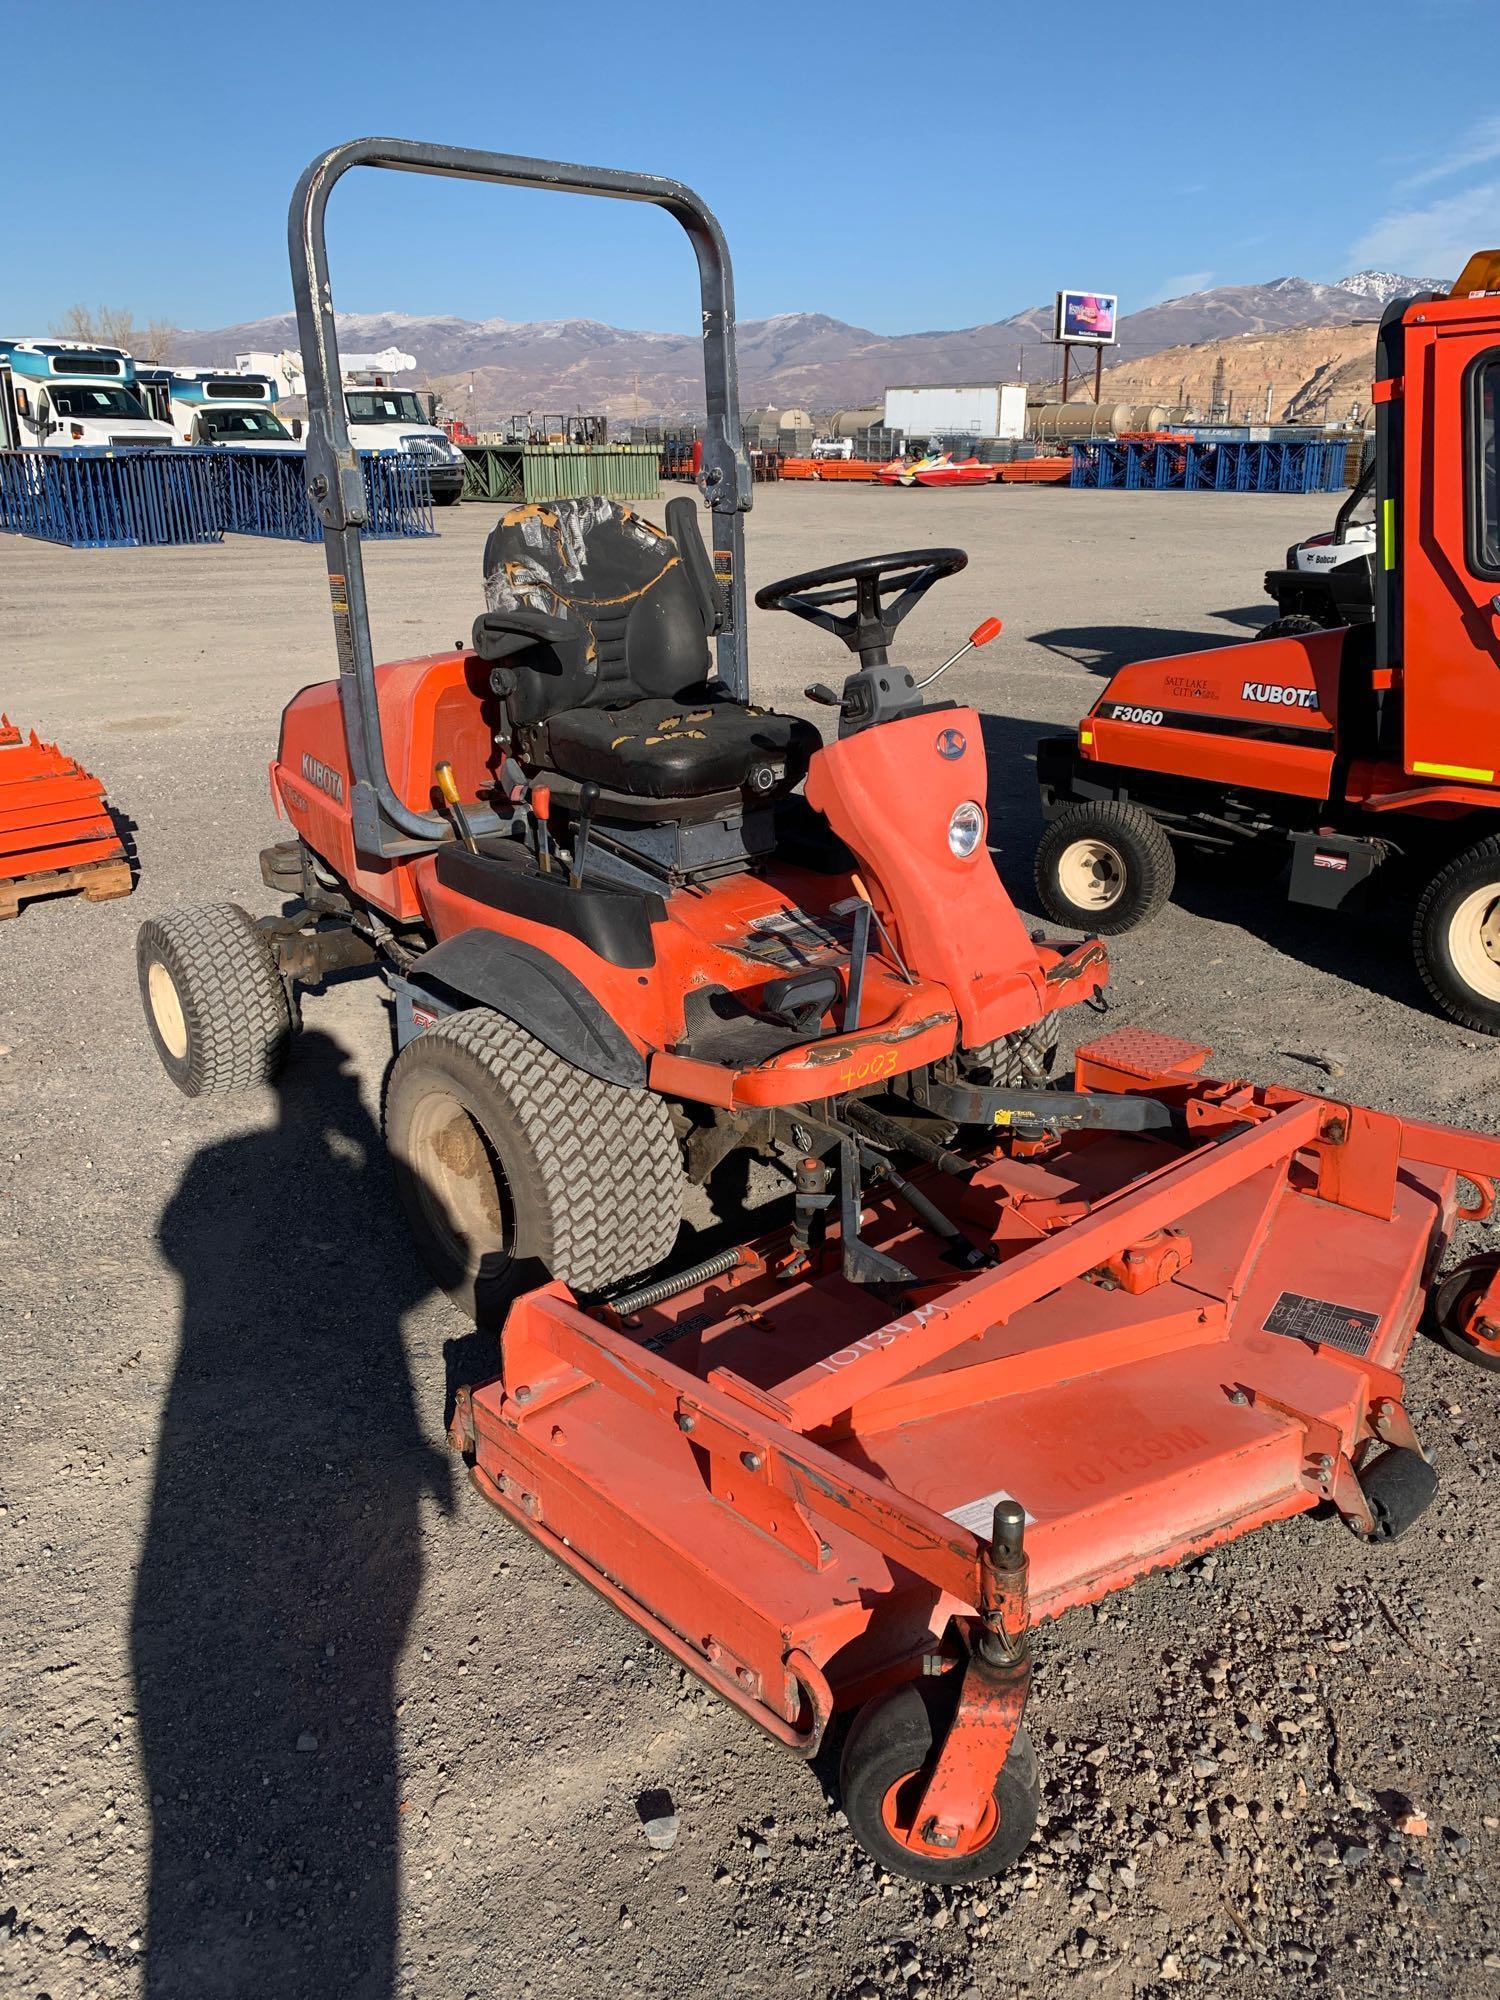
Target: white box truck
[
  {"x": 66, "y": 395},
  {"x": 384, "y": 418},
  {"x": 977, "y": 410}
]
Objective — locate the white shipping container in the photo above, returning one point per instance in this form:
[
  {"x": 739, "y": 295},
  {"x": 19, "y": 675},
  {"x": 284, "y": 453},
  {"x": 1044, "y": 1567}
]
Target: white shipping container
[{"x": 985, "y": 410}]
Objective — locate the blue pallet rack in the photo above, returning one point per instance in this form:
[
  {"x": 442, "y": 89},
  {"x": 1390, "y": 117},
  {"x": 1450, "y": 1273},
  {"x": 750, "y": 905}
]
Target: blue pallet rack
[
  {"x": 1304, "y": 467},
  {"x": 101, "y": 499}
]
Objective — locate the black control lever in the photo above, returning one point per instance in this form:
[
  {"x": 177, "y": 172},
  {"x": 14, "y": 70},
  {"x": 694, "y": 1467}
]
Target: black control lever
[
  {"x": 823, "y": 695},
  {"x": 588, "y": 799}
]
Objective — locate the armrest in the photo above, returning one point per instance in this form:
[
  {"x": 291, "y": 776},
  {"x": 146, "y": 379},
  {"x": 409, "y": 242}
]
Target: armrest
[{"x": 498, "y": 634}]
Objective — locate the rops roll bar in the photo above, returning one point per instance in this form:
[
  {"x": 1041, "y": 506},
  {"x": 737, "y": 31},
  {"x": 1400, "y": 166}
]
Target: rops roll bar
[{"x": 383, "y": 823}]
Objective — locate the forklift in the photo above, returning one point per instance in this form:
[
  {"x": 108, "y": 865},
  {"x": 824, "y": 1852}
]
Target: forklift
[{"x": 1370, "y": 753}]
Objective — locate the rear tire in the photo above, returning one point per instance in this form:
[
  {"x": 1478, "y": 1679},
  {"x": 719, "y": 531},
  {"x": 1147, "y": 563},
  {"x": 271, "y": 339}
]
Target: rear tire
[
  {"x": 1104, "y": 867},
  {"x": 1293, "y": 625},
  {"x": 513, "y": 1166},
  {"x": 215, "y": 1004},
  {"x": 886, "y": 1752},
  {"x": 1456, "y": 938}
]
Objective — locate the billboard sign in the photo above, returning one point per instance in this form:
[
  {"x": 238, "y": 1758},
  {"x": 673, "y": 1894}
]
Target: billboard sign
[{"x": 1086, "y": 316}]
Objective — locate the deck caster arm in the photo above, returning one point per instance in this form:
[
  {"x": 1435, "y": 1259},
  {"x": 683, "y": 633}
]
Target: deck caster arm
[{"x": 992, "y": 1698}]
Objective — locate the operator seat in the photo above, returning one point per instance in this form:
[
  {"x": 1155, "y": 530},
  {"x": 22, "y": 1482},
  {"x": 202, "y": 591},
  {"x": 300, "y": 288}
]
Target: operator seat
[{"x": 598, "y": 628}]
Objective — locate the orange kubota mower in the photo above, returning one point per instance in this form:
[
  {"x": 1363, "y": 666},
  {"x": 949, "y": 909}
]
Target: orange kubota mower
[
  {"x": 1371, "y": 754},
  {"x": 1013, "y": 1344}
]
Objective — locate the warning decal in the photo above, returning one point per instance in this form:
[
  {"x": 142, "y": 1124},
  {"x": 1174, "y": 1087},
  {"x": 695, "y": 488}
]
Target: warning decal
[
  {"x": 1323, "y": 1322},
  {"x": 978, "y": 1515}
]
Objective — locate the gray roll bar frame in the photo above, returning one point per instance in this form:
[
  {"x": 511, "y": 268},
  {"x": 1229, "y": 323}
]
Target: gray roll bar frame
[{"x": 384, "y": 826}]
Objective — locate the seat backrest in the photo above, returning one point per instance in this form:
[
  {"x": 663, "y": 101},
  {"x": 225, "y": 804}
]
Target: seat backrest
[{"x": 640, "y": 625}]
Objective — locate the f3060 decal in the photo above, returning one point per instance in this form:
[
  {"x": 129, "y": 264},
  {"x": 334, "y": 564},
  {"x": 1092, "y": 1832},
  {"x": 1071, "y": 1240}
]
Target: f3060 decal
[{"x": 1120, "y": 712}]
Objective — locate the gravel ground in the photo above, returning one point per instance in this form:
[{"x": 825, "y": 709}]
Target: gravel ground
[{"x": 275, "y": 1682}]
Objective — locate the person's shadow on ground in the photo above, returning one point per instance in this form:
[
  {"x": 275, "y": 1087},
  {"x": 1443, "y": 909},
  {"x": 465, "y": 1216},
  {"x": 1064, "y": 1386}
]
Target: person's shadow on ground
[{"x": 282, "y": 1560}]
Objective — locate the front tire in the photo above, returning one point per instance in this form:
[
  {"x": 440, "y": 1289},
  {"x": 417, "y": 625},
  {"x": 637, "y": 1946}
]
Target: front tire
[
  {"x": 215, "y": 1004},
  {"x": 1456, "y": 938},
  {"x": 887, "y": 1755},
  {"x": 512, "y": 1165},
  {"x": 1104, "y": 867}
]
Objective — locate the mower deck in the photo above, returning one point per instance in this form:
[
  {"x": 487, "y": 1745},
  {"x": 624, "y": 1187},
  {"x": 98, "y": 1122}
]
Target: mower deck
[{"x": 791, "y": 1483}]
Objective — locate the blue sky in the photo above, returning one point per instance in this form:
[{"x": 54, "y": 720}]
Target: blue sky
[{"x": 898, "y": 166}]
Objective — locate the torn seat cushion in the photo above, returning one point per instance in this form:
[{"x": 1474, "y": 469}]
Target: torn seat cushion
[{"x": 673, "y": 749}]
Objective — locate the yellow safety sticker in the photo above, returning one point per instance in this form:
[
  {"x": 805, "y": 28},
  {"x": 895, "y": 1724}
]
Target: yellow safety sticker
[
  {"x": 1466, "y": 771},
  {"x": 1388, "y": 534}
]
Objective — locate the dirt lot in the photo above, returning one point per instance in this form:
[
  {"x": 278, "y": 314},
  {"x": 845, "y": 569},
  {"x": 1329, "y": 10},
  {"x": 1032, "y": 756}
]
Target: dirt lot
[{"x": 282, "y": 1694}]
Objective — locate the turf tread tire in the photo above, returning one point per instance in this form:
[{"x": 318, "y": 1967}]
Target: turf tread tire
[
  {"x": 235, "y": 1009},
  {"x": 602, "y": 1198},
  {"x": 1429, "y": 936},
  {"x": 1151, "y": 866},
  {"x": 1294, "y": 625}
]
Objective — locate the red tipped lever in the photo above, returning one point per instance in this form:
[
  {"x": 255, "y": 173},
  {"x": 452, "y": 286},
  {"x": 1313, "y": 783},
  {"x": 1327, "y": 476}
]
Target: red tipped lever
[{"x": 980, "y": 636}]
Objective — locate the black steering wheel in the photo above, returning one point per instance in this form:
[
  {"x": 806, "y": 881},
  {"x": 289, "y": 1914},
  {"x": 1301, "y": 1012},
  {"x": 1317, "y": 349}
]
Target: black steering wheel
[{"x": 869, "y": 628}]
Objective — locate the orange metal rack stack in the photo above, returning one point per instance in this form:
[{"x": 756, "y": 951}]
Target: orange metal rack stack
[{"x": 56, "y": 833}]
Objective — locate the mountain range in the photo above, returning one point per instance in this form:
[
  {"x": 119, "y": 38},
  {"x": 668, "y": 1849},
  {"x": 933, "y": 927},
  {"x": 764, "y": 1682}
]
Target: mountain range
[{"x": 800, "y": 359}]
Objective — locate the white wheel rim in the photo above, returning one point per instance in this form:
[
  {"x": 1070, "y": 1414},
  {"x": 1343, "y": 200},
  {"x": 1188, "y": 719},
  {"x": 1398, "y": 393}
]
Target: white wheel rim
[
  {"x": 166, "y": 1010},
  {"x": 461, "y": 1183},
  {"x": 1474, "y": 941},
  {"x": 1091, "y": 874}
]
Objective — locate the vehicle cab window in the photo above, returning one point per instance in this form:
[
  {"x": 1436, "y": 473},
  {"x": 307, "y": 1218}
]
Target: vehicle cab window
[{"x": 1484, "y": 465}]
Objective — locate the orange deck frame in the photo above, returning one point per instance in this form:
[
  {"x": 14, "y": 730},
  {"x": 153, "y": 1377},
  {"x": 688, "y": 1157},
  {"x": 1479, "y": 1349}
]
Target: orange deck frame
[{"x": 791, "y": 1487}]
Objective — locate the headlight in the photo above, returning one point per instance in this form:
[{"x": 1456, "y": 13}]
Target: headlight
[{"x": 965, "y": 829}]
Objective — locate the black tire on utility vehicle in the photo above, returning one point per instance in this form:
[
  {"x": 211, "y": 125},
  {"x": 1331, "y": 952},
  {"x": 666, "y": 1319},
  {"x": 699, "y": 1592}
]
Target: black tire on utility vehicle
[
  {"x": 513, "y": 1166},
  {"x": 1456, "y": 937},
  {"x": 1104, "y": 867},
  {"x": 885, "y": 1765},
  {"x": 215, "y": 1003},
  {"x": 1295, "y": 625}
]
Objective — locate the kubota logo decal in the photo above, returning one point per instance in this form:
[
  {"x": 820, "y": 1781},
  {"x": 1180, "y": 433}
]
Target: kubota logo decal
[
  {"x": 1279, "y": 697},
  {"x": 951, "y": 743},
  {"x": 319, "y": 774}
]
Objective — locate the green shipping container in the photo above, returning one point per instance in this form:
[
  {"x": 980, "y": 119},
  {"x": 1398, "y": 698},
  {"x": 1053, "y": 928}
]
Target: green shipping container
[{"x": 503, "y": 472}]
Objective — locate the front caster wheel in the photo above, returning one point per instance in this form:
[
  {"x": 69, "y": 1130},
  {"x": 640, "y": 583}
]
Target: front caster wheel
[
  {"x": 1104, "y": 867},
  {"x": 887, "y": 1758},
  {"x": 1449, "y": 1314}
]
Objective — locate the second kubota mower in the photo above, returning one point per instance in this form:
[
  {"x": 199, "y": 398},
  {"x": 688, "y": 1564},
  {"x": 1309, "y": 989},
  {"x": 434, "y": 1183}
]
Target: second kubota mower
[
  {"x": 1014, "y": 1344},
  {"x": 1369, "y": 754}
]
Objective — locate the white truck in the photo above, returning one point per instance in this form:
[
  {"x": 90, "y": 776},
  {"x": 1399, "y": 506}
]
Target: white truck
[
  {"x": 68, "y": 395},
  {"x": 382, "y": 417},
  {"x": 215, "y": 406}
]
